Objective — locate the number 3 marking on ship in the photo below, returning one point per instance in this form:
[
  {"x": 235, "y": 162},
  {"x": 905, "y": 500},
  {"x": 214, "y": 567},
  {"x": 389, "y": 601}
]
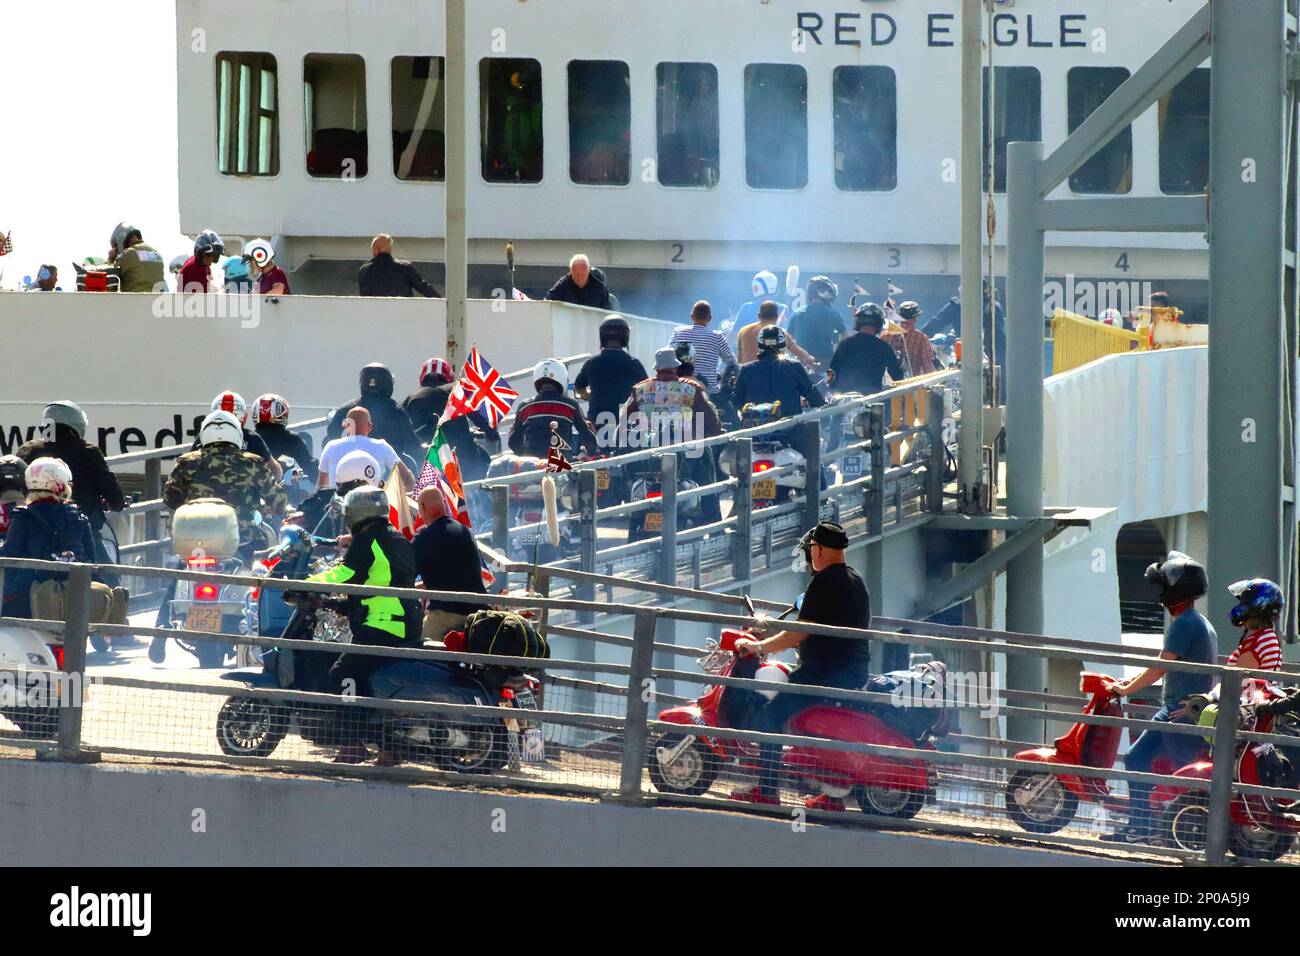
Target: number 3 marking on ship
[
  {"x": 895, "y": 258},
  {"x": 679, "y": 253}
]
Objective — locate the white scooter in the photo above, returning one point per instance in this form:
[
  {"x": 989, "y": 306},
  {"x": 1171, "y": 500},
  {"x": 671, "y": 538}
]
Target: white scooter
[
  {"x": 31, "y": 693},
  {"x": 769, "y": 454}
]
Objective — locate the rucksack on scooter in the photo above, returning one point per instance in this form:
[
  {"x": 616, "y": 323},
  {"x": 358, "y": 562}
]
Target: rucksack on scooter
[
  {"x": 921, "y": 704},
  {"x": 505, "y": 633}
]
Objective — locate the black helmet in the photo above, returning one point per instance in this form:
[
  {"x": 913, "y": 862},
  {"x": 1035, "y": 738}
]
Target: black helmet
[
  {"x": 209, "y": 241},
  {"x": 869, "y": 314},
  {"x": 685, "y": 353},
  {"x": 822, "y": 289},
  {"x": 13, "y": 474},
  {"x": 376, "y": 379},
  {"x": 1179, "y": 578},
  {"x": 364, "y": 504},
  {"x": 771, "y": 338},
  {"x": 615, "y": 333}
]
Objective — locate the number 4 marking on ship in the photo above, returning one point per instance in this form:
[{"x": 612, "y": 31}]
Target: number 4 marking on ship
[{"x": 1122, "y": 262}]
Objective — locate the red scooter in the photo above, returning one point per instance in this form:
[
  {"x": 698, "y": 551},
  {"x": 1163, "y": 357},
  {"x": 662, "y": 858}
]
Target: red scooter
[
  {"x": 1045, "y": 801},
  {"x": 688, "y": 762},
  {"x": 1260, "y": 828}
]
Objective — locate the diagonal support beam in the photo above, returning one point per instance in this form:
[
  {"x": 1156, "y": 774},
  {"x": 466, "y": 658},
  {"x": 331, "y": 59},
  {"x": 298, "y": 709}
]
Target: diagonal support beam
[
  {"x": 1128, "y": 214},
  {"x": 966, "y": 581},
  {"x": 1185, "y": 51}
]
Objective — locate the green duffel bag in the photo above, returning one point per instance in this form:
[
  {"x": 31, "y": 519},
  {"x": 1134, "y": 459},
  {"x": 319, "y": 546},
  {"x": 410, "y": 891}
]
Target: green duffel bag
[{"x": 505, "y": 633}]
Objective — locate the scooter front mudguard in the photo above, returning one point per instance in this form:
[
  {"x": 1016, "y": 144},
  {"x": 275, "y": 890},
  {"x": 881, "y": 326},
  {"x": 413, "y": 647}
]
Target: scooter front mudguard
[
  {"x": 686, "y": 714},
  {"x": 1090, "y": 788}
]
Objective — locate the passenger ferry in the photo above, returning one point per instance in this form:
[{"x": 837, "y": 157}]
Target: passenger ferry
[{"x": 683, "y": 144}]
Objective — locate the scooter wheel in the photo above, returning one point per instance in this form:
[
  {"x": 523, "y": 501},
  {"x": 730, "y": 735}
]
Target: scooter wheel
[
  {"x": 487, "y": 749},
  {"x": 247, "y": 727},
  {"x": 40, "y": 723},
  {"x": 1257, "y": 843},
  {"x": 888, "y": 802},
  {"x": 1186, "y": 823},
  {"x": 1051, "y": 809},
  {"x": 210, "y": 653},
  {"x": 689, "y": 775}
]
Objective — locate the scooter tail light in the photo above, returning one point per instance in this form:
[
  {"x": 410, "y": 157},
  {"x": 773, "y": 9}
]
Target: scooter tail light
[
  {"x": 57, "y": 651},
  {"x": 764, "y": 464},
  {"x": 206, "y": 592},
  {"x": 653, "y": 494}
]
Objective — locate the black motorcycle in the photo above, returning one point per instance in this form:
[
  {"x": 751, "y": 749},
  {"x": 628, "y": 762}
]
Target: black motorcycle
[{"x": 253, "y": 727}]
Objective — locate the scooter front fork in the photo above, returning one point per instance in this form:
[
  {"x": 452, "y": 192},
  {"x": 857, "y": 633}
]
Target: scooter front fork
[{"x": 666, "y": 755}]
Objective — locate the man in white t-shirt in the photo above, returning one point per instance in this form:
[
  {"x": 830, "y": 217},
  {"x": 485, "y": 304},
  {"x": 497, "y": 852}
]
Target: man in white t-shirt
[{"x": 356, "y": 437}]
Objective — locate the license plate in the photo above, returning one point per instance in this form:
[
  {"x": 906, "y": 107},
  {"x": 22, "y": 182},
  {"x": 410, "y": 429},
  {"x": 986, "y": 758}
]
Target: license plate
[
  {"x": 204, "y": 619},
  {"x": 654, "y": 521},
  {"x": 602, "y": 479},
  {"x": 764, "y": 489},
  {"x": 851, "y": 466}
]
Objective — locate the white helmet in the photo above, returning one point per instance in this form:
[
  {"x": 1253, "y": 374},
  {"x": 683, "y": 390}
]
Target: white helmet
[
  {"x": 764, "y": 284},
  {"x": 356, "y": 466},
  {"x": 772, "y": 674},
  {"x": 50, "y": 475},
  {"x": 552, "y": 370},
  {"x": 231, "y": 402},
  {"x": 221, "y": 426},
  {"x": 1111, "y": 317},
  {"x": 260, "y": 251}
]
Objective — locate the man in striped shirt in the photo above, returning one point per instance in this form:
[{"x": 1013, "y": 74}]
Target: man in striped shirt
[{"x": 710, "y": 347}]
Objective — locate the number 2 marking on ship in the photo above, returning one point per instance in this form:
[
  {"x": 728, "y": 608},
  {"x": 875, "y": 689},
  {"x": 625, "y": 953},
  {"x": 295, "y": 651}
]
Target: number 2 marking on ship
[{"x": 679, "y": 253}]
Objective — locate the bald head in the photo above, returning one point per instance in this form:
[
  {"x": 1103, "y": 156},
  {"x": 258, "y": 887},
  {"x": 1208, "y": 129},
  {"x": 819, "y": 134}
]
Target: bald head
[
  {"x": 357, "y": 421},
  {"x": 381, "y": 243},
  {"x": 432, "y": 505}
]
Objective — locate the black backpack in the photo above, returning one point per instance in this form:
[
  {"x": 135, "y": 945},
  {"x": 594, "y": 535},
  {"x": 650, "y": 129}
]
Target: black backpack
[{"x": 505, "y": 633}]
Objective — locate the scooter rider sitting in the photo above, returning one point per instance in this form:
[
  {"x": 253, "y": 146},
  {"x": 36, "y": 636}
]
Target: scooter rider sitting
[
  {"x": 389, "y": 421},
  {"x": 531, "y": 433},
  {"x": 425, "y": 406},
  {"x": 1180, "y": 581},
  {"x": 50, "y": 528},
  {"x": 669, "y": 409},
  {"x": 835, "y": 596},
  {"x": 378, "y": 556},
  {"x": 322, "y": 513},
  {"x": 13, "y": 489},
  {"x": 220, "y": 469},
  {"x": 271, "y": 424},
  {"x": 774, "y": 378},
  {"x": 606, "y": 379}
]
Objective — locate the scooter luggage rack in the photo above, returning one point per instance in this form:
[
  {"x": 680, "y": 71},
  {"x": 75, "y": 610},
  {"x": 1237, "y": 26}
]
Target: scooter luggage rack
[{"x": 715, "y": 658}]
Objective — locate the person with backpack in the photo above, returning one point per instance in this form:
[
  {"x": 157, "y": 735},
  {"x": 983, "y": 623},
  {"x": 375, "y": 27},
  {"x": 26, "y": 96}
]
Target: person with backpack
[{"x": 49, "y": 528}]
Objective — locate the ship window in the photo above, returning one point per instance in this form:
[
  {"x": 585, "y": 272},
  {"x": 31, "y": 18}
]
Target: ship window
[
  {"x": 419, "y": 118},
  {"x": 247, "y": 121},
  {"x": 1017, "y": 116},
  {"x": 1185, "y": 136},
  {"x": 866, "y": 124},
  {"x": 600, "y": 122},
  {"x": 776, "y": 126},
  {"x": 686, "y": 123},
  {"x": 1110, "y": 170},
  {"x": 334, "y": 108},
  {"x": 510, "y": 117}
]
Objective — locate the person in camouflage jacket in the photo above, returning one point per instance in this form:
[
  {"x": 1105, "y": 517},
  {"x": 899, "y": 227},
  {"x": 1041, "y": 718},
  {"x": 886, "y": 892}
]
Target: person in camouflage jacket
[{"x": 219, "y": 469}]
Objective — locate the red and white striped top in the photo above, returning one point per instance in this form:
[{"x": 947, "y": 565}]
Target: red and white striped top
[{"x": 1264, "y": 645}]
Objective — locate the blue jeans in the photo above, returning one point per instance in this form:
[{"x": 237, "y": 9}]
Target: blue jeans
[
  {"x": 1182, "y": 749},
  {"x": 773, "y": 716}
]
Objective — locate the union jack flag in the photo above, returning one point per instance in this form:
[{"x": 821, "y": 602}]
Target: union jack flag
[
  {"x": 480, "y": 387},
  {"x": 6, "y": 246}
]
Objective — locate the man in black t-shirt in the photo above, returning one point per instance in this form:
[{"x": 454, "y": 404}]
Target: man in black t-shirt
[
  {"x": 446, "y": 559},
  {"x": 837, "y": 597},
  {"x": 606, "y": 379},
  {"x": 861, "y": 361}
]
